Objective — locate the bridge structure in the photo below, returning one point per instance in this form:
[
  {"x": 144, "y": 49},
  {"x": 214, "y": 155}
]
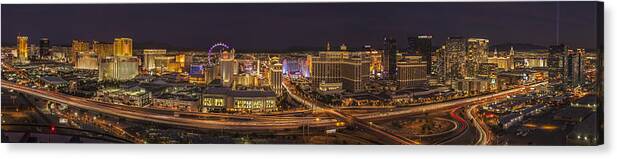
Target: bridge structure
[{"x": 260, "y": 122}]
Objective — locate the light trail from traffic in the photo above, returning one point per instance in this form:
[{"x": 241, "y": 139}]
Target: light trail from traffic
[
  {"x": 484, "y": 137},
  {"x": 292, "y": 123},
  {"x": 166, "y": 119}
]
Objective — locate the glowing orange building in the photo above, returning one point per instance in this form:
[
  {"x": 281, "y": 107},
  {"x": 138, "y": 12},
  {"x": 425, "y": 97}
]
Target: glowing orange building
[
  {"x": 22, "y": 48},
  {"x": 123, "y": 47},
  {"x": 77, "y": 47}
]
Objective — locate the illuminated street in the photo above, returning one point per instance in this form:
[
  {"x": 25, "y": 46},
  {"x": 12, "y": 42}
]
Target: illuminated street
[{"x": 304, "y": 78}]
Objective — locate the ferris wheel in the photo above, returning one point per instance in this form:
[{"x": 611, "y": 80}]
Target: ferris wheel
[{"x": 213, "y": 47}]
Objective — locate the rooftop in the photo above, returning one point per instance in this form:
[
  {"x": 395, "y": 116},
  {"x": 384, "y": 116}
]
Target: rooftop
[
  {"x": 239, "y": 93},
  {"x": 53, "y": 80}
]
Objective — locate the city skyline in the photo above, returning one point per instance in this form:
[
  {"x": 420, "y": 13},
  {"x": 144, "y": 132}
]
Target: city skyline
[
  {"x": 297, "y": 26},
  {"x": 372, "y": 89}
]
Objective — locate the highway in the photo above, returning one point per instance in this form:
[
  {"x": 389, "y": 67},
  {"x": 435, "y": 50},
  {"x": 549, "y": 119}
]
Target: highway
[
  {"x": 377, "y": 130},
  {"x": 348, "y": 118},
  {"x": 264, "y": 124},
  {"x": 448, "y": 104},
  {"x": 166, "y": 119},
  {"x": 484, "y": 132},
  {"x": 361, "y": 118},
  {"x": 461, "y": 127}
]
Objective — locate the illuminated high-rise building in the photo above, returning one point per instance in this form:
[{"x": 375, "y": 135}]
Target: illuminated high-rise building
[
  {"x": 309, "y": 64},
  {"x": 376, "y": 66},
  {"x": 556, "y": 60},
  {"x": 477, "y": 53},
  {"x": 77, "y": 47},
  {"x": 411, "y": 44},
  {"x": 411, "y": 72},
  {"x": 123, "y": 47},
  {"x": 118, "y": 68},
  {"x": 227, "y": 65},
  {"x": 247, "y": 80},
  {"x": 422, "y": 45},
  {"x": 389, "y": 57},
  {"x": 60, "y": 53},
  {"x": 503, "y": 62},
  {"x": 440, "y": 64},
  {"x": 196, "y": 74},
  {"x": 450, "y": 58},
  {"x": 87, "y": 60},
  {"x": 575, "y": 67},
  {"x": 209, "y": 73},
  {"x": 276, "y": 76},
  {"x": 102, "y": 49},
  {"x": 181, "y": 62},
  {"x": 149, "y": 56},
  {"x": 356, "y": 71},
  {"x": 349, "y": 69},
  {"x": 326, "y": 67},
  {"x": 488, "y": 70},
  {"x": 163, "y": 64},
  {"x": 44, "y": 48},
  {"x": 22, "y": 49}
]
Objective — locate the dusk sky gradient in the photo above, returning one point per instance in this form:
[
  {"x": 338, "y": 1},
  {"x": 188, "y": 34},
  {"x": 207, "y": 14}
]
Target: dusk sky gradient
[{"x": 280, "y": 26}]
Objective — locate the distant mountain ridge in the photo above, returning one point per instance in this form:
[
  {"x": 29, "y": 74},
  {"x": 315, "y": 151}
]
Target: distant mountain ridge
[{"x": 517, "y": 47}]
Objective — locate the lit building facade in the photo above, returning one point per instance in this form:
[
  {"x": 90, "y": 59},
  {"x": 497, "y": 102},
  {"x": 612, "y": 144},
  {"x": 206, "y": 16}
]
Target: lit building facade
[
  {"x": 161, "y": 63},
  {"x": 87, "y": 60},
  {"x": 296, "y": 66},
  {"x": 77, "y": 47},
  {"x": 44, "y": 48},
  {"x": 276, "y": 76},
  {"x": 123, "y": 47},
  {"x": 135, "y": 96},
  {"x": 224, "y": 99},
  {"x": 411, "y": 72},
  {"x": 227, "y": 67},
  {"x": 247, "y": 80},
  {"x": 575, "y": 67},
  {"x": 534, "y": 62},
  {"x": 389, "y": 57},
  {"x": 351, "y": 69},
  {"x": 422, "y": 45},
  {"x": 477, "y": 53},
  {"x": 149, "y": 58},
  {"x": 473, "y": 86},
  {"x": 556, "y": 63},
  {"x": 60, "y": 54},
  {"x": 504, "y": 62},
  {"x": 376, "y": 66},
  {"x": 22, "y": 49},
  {"x": 176, "y": 104},
  {"x": 355, "y": 71},
  {"x": 102, "y": 49},
  {"x": 453, "y": 66},
  {"x": 488, "y": 70},
  {"x": 181, "y": 62},
  {"x": 326, "y": 67},
  {"x": 118, "y": 68}
]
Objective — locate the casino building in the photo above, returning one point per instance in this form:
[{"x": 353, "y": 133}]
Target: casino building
[{"x": 224, "y": 99}]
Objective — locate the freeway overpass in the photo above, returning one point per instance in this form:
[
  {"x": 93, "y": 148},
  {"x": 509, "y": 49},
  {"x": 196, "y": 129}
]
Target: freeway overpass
[
  {"x": 360, "y": 120},
  {"x": 265, "y": 123},
  {"x": 117, "y": 110}
]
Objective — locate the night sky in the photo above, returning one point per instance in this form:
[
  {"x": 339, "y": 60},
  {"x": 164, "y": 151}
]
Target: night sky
[{"x": 281, "y": 26}]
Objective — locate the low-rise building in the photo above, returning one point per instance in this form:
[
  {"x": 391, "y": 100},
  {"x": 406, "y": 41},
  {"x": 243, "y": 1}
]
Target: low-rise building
[
  {"x": 177, "y": 104},
  {"x": 54, "y": 82},
  {"x": 473, "y": 86},
  {"x": 134, "y": 96},
  {"x": 218, "y": 99}
]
